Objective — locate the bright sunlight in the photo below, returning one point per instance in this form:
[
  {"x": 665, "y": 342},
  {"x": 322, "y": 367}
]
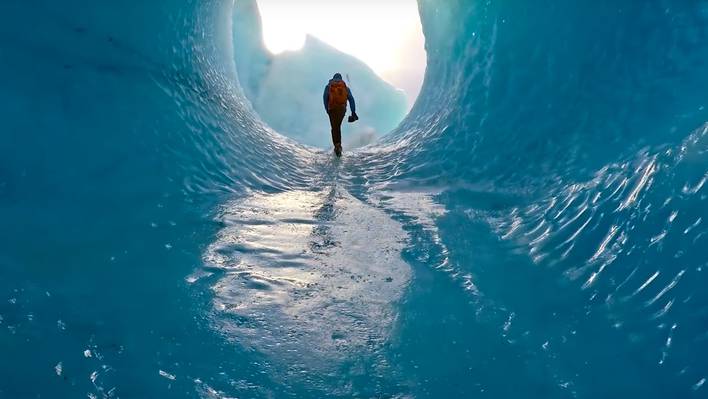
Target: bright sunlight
[{"x": 386, "y": 35}]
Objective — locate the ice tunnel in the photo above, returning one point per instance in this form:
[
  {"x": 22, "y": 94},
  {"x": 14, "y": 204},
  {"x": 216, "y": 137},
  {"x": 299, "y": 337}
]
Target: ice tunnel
[{"x": 535, "y": 227}]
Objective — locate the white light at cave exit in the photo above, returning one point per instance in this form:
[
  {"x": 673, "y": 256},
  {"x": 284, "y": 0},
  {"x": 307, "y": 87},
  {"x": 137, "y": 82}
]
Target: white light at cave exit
[{"x": 385, "y": 34}]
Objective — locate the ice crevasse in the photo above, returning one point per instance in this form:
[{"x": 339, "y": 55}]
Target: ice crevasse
[{"x": 535, "y": 227}]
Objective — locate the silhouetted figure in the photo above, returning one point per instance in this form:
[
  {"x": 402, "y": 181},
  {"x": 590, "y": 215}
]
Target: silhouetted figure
[{"x": 336, "y": 95}]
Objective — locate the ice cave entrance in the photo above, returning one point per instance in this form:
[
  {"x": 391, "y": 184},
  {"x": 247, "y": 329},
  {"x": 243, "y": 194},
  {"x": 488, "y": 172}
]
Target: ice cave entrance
[{"x": 286, "y": 51}]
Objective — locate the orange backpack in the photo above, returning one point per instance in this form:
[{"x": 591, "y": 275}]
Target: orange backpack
[{"x": 338, "y": 94}]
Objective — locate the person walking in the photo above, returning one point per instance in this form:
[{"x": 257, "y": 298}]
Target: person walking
[{"x": 336, "y": 95}]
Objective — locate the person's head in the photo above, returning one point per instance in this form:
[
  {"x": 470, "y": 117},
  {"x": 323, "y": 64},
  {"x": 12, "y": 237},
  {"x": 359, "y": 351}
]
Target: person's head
[{"x": 337, "y": 76}]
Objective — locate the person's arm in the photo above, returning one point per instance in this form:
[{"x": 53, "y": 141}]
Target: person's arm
[
  {"x": 350, "y": 97},
  {"x": 325, "y": 98}
]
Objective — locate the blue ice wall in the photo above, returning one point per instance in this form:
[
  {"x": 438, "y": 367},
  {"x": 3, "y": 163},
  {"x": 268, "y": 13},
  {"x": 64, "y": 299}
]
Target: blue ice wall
[
  {"x": 254, "y": 60},
  {"x": 286, "y": 89},
  {"x": 534, "y": 228}
]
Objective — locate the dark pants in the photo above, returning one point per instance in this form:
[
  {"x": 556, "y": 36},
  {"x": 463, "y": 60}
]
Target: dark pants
[{"x": 336, "y": 116}]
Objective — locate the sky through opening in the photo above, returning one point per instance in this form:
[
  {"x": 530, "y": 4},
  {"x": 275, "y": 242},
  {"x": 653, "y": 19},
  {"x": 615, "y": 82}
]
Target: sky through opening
[{"x": 386, "y": 35}]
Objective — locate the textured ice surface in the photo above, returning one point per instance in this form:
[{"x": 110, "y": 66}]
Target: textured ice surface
[
  {"x": 535, "y": 228},
  {"x": 310, "y": 279}
]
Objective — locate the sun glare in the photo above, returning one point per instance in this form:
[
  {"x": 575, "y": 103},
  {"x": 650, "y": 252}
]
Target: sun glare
[{"x": 386, "y": 35}]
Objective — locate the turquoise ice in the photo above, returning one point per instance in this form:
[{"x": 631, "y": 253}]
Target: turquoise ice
[{"x": 534, "y": 228}]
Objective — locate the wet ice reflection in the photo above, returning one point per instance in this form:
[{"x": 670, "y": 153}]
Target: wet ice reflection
[{"x": 308, "y": 278}]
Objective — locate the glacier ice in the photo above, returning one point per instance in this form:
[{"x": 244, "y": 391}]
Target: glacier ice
[{"x": 535, "y": 227}]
